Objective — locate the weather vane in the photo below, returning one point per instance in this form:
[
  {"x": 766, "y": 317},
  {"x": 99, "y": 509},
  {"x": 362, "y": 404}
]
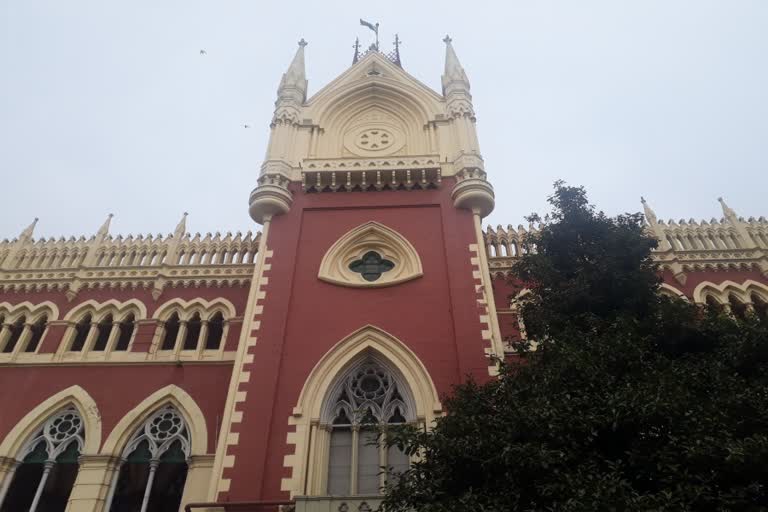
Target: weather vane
[{"x": 375, "y": 29}]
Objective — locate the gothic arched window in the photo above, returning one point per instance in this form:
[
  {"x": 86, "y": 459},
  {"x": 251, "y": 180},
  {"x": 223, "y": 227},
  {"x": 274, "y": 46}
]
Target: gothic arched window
[
  {"x": 194, "y": 325},
  {"x": 215, "y": 331},
  {"x": 126, "y": 327},
  {"x": 82, "y": 329},
  {"x": 367, "y": 399},
  {"x": 104, "y": 329},
  {"x": 38, "y": 329},
  {"x": 154, "y": 465},
  {"x": 171, "y": 332},
  {"x": 48, "y": 466},
  {"x": 16, "y": 329}
]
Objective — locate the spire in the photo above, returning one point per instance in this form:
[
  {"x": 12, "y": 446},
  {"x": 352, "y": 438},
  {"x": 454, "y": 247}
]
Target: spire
[
  {"x": 26, "y": 235},
  {"x": 453, "y": 73},
  {"x": 295, "y": 77},
  {"x": 181, "y": 227},
  {"x": 104, "y": 229},
  {"x": 727, "y": 210},
  {"x": 650, "y": 215}
]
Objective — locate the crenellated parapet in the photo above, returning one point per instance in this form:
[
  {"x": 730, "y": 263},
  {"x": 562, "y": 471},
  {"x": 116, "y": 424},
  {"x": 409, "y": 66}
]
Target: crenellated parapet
[
  {"x": 142, "y": 261},
  {"x": 729, "y": 243}
]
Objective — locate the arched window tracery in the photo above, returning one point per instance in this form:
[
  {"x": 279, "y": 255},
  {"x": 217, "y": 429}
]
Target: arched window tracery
[
  {"x": 363, "y": 403},
  {"x": 48, "y": 466},
  {"x": 154, "y": 465}
]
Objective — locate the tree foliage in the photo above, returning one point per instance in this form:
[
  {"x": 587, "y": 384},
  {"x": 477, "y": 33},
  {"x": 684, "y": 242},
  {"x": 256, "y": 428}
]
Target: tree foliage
[{"x": 631, "y": 401}]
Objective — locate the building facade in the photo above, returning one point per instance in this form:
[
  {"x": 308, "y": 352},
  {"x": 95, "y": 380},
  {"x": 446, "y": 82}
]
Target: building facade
[{"x": 248, "y": 372}]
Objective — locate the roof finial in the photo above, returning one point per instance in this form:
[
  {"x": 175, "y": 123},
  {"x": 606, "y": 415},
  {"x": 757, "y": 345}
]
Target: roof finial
[
  {"x": 397, "y": 50},
  {"x": 104, "y": 229},
  {"x": 447, "y": 39},
  {"x": 727, "y": 211},
  {"x": 356, "y": 46},
  {"x": 28, "y": 231},
  {"x": 181, "y": 227},
  {"x": 295, "y": 77},
  {"x": 650, "y": 215},
  {"x": 454, "y": 72}
]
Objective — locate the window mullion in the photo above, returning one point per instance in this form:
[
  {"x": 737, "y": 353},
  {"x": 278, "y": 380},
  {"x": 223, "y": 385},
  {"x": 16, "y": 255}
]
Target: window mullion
[
  {"x": 383, "y": 457},
  {"x": 150, "y": 480},
  {"x": 46, "y": 471},
  {"x": 354, "y": 464}
]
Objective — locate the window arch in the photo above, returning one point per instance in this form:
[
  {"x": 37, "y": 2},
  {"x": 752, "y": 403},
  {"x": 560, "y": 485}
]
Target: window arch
[
  {"x": 368, "y": 397},
  {"x": 309, "y": 466},
  {"x": 192, "y": 329},
  {"x": 154, "y": 465},
  {"x": 98, "y": 329},
  {"x": 48, "y": 465}
]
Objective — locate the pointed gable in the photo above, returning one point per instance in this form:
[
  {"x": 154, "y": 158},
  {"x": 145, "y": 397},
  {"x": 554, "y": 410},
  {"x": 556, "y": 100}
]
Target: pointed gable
[{"x": 374, "y": 109}]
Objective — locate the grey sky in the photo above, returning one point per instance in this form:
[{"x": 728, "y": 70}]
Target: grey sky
[{"x": 108, "y": 106}]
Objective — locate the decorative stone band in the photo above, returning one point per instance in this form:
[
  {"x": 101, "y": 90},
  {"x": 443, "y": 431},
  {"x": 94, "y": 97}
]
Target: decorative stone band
[
  {"x": 156, "y": 278},
  {"x": 371, "y": 180},
  {"x": 700, "y": 246}
]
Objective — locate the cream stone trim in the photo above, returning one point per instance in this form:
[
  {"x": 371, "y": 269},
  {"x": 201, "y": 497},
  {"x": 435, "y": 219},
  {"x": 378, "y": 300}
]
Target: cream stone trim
[
  {"x": 666, "y": 289},
  {"x": 186, "y": 309},
  {"x": 100, "y": 309},
  {"x": 204, "y": 307},
  {"x": 33, "y": 312},
  {"x": 371, "y": 236},
  {"x": 133, "y": 419},
  {"x": 309, "y": 454},
  {"x": 241, "y": 372},
  {"x": 721, "y": 291},
  {"x": 73, "y": 395},
  {"x": 484, "y": 289}
]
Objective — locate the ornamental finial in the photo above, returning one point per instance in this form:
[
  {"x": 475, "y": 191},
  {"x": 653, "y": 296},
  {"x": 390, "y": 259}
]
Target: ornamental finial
[
  {"x": 303, "y": 43},
  {"x": 447, "y": 39}
]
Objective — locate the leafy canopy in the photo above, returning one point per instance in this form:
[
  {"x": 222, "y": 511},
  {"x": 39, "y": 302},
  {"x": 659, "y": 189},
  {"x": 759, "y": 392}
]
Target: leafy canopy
[{"x": 632, "y": 401}]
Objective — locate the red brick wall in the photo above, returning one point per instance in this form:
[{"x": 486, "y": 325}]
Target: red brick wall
[{"x": 436, "y": 315}]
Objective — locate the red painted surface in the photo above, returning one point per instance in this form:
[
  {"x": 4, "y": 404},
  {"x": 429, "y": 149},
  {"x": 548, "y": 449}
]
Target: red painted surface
[
  {"x": 436, "y": 315},
  {"x": 115, "y": 389}
]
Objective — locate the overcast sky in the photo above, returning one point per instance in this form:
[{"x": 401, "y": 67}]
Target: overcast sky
[{"x": 108, "y": 106}]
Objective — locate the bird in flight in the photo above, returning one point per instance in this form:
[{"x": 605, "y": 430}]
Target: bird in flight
[
  {"x": 246, "y": 125},
  {"x": 203, "y": 52}
]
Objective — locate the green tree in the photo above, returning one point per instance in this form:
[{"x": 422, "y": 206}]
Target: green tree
[{"x": 631, "y": 401}]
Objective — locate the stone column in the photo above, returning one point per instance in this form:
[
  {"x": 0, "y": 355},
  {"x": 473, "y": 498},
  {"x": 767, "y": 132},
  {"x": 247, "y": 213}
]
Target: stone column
[
  {"x": 94, "y": 478},
  {"x": 199, "y": 474},
  {"x": 7, "y": 470}
]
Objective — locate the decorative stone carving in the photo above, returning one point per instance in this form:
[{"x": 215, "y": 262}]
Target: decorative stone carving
[{"x": 389, "y": 245}]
